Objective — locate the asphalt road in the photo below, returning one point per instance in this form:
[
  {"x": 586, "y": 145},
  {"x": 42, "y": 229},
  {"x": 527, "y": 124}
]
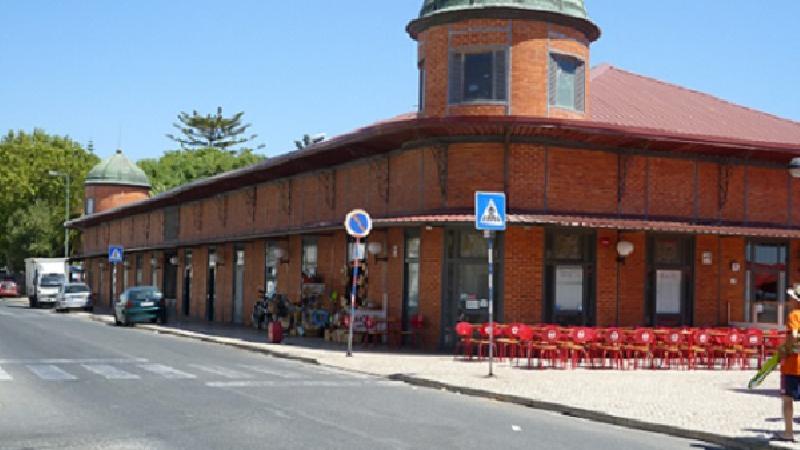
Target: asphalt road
[{"x": 67, "y": 382}]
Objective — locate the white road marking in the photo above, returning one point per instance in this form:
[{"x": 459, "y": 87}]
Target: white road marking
[
  {"x": 4, "y": 376},
  {"x": 278, "y": 373},
  {"x": 267, "y": 383},
  {"x": 167, "y": 371},
  {"x": 110, "y": 372},
  {"x": 75, "y": 361},
  {"x": 339, "y": 372},
  {"x": 300, "y": 383},
  {"x": 222, "y": 371},
  {"x": 51, "y": 373}
]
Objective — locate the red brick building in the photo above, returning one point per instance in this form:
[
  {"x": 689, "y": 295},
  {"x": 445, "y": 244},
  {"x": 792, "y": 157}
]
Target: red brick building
[{"x": 592, "y": 162}]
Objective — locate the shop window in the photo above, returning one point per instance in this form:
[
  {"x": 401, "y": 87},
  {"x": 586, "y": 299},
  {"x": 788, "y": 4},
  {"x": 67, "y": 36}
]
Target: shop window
[
  {"x": 569, "y": 289},
  {"x": 154, "y": 271},
  {"x": 309, "y": 259},
  {"x": 472, "y": 245},
  {"x": 271, "y": 261},
  {"x": 568, "y": 246},
  {"x": 567, "y": 82},
  {"x": 412, "y": 275},
  {"x": 667, "y": 251},
  {"x": 766, "y": 282},
  {"x": 139, "y": 270},
  {"x": 478, "y": 76}
]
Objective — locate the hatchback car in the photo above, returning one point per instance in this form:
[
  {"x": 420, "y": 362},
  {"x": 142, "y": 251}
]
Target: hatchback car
[
  {"x": 138, "y": 304},
  {"x": 73, "y": 296},
  {"x": 8, "y": 288}
]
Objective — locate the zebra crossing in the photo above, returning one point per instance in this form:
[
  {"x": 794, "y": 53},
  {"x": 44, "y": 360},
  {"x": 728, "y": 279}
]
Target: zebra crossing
[{"x": 212, "y": 375}]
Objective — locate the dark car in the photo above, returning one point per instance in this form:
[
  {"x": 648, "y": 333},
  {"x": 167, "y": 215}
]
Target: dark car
[{"x": 139, "y": 304}]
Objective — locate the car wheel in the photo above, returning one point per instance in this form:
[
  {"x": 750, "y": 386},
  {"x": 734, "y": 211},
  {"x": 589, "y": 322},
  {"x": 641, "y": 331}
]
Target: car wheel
[{"x": 89, "y": 309}]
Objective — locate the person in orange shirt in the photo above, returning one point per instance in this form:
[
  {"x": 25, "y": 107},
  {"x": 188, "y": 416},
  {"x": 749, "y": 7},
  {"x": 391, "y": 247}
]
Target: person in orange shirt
[{"x": 790, "y": 368}]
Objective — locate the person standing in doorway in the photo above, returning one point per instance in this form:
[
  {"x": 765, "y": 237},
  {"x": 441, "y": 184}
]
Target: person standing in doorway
[{"x": 790, "y": 368}]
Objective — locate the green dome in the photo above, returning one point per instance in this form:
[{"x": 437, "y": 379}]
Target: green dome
[
  {"x": 117, "y": 170},
  {"x": 574, "y": 8},
  {"x": 571, "y": 12}
]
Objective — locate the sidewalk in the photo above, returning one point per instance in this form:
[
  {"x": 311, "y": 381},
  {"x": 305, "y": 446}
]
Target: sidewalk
[{"x": 713, "y": 406}]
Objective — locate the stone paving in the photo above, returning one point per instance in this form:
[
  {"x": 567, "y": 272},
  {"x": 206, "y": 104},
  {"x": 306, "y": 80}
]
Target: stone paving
[{"x": 715, "y": 402}]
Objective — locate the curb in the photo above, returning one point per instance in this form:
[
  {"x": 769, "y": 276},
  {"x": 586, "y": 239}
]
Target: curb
[
  {"x": 594, "y": 416},
  {"x": 571, "y": 411},
  {"x": 206, "y": 338}
]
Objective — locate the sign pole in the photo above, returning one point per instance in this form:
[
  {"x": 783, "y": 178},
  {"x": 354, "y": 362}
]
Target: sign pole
[
  {"x": 490, "y": 216},
  {"x": 353, "y": 298},
  {"x": 490, "y": 240}
]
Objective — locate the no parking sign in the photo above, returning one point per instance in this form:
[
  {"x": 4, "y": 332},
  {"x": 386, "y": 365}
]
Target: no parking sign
[{"x": 358, "y": 223}]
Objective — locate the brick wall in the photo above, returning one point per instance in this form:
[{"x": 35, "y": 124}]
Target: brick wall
[
  {"x": 707, "y": 286},
  {"x": 432, "y": 243},
  {"x": 606, "y": 277},
  {"x": 473, "y": 167},
  {"x": 111, "y": 196},
  {"x": 633, "y": 273},
  {"x": 733, "y": 283},
  {"x": 523, "y": 266},
  {"x": 581, "y": 180}
]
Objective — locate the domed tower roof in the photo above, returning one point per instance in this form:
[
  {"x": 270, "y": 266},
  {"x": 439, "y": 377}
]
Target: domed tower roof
[
  {"x": 571, "y": 12},
  {"x": 117, "y": 170}
]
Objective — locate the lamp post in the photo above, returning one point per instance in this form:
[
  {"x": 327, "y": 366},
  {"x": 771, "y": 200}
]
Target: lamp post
[{"x": 55, "y": 173}]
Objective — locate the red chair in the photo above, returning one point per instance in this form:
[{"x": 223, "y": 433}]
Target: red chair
[
  {"x": 526, "y": 336},
  {"x": 547, "y": 346},
  {"x": 415, "y": 325},
  {"x": 700, "y": 347},
  {"x": 496, "y": 330},
  {"x": 640, "y": 347},
  {"x": 576, "y": 345},
  {"x": 610, "y": 349},
  {"x": 753, "y": 347},
  {"x": 465, "y": 340},
  {"x": 772, "y": 340},
  {"x": 670, "y": 347},
  {"x": 508, "y": 343},
  {"x": 370, "y": 330},
  {"x": 730, "y": 351}
]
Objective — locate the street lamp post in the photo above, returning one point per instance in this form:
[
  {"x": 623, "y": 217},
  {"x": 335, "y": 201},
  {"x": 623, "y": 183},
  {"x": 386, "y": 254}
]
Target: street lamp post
[{"x": 55, "y": 173}]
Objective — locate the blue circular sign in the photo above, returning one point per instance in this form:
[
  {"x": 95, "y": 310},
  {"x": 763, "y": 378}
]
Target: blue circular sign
[{"x": 358, "y": 223}]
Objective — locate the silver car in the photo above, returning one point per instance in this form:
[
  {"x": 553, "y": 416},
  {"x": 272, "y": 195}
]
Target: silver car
[{"x": 73, "y": 296}]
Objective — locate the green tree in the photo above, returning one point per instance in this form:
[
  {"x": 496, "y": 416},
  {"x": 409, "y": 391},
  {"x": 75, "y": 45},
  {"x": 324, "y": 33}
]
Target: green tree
[
  {"x": 31, "y": 201},
  {"x": 178, "y": 167},
  {"x": 216, "y": 131},
  {"x": 307, "y": 141}
]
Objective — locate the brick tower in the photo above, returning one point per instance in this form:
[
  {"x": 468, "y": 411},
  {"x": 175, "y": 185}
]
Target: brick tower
[
  {"x": 114, "y": 182},
  {"x": 504, "y": 57}
]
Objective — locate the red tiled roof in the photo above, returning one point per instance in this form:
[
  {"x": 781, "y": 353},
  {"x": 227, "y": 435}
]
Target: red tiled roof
[
  {"x": 604, "y": 222},
  {"x": 623, "y": 98}
]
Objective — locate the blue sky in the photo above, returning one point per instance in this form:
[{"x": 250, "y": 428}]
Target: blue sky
[{"x": 119, "y": 72}]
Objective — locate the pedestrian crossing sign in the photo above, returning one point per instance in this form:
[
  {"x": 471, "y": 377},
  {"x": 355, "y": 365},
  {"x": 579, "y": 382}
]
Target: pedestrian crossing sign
[
  {"x": 115, "y": 254},
  {"x": 490, "y": 211}
]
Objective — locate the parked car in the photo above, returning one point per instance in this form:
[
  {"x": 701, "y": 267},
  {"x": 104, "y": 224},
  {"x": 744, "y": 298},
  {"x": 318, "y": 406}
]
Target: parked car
[
  {"x": 9, "y": 288},
  {"x": 73, "y": 296},
  {"x": 139, "y": 304}
]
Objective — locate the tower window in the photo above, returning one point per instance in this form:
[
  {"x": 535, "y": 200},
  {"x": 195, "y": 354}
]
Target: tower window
[
  {"x": 567, "y": 82},
  {"x": 89, "y": 206},
  {"x": 478, "y": 76}
]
